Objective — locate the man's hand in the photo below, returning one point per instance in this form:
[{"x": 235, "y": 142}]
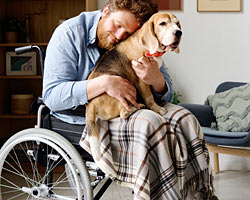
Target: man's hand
[
  {"x": 146, "y": 68},
  {"x": 121, "y": 89},
  {"x": 114, "y": 86}
]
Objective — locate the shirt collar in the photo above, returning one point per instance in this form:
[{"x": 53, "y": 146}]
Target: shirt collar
[{"x": 93, "y": 30}]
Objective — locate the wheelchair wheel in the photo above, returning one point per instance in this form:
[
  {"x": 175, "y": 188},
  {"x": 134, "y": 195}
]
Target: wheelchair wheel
[{"x": 32, "y": 167}]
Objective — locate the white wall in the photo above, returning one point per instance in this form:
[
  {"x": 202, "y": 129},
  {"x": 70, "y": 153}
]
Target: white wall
[{"x": 215, "y": 47}]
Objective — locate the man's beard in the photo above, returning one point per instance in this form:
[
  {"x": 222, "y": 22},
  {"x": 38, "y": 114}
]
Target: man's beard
[{"x": 102, "y": 36}]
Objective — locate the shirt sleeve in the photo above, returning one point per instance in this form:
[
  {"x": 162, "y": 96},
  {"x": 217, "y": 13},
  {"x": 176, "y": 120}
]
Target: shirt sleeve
[
  {"x": 168, "y": 96},
  {"x": 62, "y": 88}
]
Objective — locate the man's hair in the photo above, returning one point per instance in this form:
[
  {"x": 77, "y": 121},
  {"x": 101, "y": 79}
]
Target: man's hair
[{"x": 142, "y": 9}]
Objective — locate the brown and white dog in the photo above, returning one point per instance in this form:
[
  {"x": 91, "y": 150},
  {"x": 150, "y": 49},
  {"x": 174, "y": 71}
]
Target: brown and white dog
[{"x": 161, "y": 33}]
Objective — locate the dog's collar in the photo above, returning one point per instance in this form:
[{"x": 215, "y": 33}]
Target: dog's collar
[{"x": 156, "y": 54}]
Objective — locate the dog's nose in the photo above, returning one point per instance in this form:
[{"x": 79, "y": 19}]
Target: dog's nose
[{"x": 178, "y": 33}]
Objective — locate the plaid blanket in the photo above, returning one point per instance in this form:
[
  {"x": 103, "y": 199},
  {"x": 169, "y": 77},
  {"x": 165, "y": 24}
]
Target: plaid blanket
[{"x": 159, "y": 157}]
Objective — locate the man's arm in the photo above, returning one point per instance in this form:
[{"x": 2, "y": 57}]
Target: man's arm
[
  {"x": 148, "y": 71},
  {"x": 168, "y": 95},
  {"x": 64, "y": 82}
]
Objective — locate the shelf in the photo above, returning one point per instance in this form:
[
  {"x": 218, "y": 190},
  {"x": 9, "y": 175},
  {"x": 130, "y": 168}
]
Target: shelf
[
  {"x": 21, "y": 77},
  {"x": 41, "y": 27},
  {"x": 9, "y": 116},
  {"x": 22, "y": 44}
]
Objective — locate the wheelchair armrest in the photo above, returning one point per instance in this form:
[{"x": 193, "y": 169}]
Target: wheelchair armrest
[
  {"x": 204, "y": 113},
  {"x": 39, "y": 100}
]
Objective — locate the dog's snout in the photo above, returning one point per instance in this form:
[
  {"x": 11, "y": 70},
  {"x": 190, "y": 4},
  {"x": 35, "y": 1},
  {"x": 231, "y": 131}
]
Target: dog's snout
[{"x": 178, "y": 33}]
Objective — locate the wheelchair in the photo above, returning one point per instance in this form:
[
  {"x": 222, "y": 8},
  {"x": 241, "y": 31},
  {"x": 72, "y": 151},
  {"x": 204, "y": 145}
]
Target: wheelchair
[{"x": 47, "y": 162}]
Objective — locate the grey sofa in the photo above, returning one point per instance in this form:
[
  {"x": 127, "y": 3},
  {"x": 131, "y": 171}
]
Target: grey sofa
[{"x": 220, "y": 141}]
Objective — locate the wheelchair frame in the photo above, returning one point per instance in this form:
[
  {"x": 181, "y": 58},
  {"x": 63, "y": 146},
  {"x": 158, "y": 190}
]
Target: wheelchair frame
[{"x": 35, "y": 154}]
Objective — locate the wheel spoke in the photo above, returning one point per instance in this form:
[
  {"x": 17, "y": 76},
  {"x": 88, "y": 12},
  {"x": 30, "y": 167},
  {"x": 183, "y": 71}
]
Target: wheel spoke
[
  {"x": 60, "y": 179},
  {"x": 28, "y": 165},
  {"x": 10, "y": 182},
  {"x": 16, "y": 161},
  {"x": 36, "y": 174},
  {"x": 20, "y": 175},
  {"x": 15, "y": 197},
  {"x": 49, "y": 169}
]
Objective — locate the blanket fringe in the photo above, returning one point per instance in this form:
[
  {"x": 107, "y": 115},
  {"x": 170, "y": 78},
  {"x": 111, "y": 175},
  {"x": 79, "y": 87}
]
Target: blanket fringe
[{"x": 202, "y": 185}]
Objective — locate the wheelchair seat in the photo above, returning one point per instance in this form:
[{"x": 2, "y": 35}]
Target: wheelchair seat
[{"x": 72, "y": 132}]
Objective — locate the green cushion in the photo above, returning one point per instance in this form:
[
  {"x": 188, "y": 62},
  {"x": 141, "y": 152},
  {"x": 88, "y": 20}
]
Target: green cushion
[{"x": 232, "y": 109}]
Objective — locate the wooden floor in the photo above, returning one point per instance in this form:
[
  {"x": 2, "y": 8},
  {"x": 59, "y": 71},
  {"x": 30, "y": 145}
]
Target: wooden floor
[{"x": 229, "y": 185}]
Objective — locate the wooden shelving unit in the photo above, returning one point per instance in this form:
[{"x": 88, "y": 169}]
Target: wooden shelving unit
[
  {"x": 21, "y": 77},
  {"x": 22, "y": 44},
  {"x": 44, "y": 18},
  {"x": 7, "y": 116}
]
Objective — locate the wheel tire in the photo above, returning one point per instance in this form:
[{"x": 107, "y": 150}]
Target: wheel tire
[{"x": 29, "y": 146}]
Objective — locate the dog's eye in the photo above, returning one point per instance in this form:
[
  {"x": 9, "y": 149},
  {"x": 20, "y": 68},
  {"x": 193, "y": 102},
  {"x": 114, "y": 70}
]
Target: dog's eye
[
  {"x": 178, "y": 23},
  {"x": 162, "y": 23}
]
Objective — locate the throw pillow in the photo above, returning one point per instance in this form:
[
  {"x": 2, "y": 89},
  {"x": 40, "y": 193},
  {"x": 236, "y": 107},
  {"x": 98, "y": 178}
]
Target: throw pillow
[{"x": 232, "y": 109}]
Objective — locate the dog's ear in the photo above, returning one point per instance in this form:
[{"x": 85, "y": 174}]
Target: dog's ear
[{"x": 148, "y": 38}]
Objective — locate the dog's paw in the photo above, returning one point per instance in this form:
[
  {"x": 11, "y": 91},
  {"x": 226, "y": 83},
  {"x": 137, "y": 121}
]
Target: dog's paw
[
  {"x": 125, "y": 113},
  {"x": 141, "y": 106},
  {"x": 161, "y": 110}
]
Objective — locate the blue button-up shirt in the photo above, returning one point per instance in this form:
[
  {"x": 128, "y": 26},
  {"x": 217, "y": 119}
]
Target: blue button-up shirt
[{"x": 70, "y": 57}]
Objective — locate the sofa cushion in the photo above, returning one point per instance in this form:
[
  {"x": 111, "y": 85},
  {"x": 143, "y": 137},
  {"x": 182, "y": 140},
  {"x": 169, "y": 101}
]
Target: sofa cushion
[
  {"x": 228, "y": 134},
  {"x": 232, "y": 109}
]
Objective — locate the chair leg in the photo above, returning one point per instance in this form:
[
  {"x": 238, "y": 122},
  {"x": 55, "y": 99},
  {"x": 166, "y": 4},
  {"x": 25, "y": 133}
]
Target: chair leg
[{"x": 216, "y": 163}]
